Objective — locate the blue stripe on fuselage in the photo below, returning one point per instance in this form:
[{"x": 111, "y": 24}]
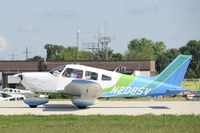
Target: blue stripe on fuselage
[{"x": 139, "y": 84}]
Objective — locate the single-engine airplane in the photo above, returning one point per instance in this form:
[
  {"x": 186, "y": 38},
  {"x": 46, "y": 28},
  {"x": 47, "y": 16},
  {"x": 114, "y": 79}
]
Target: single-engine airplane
[{"x": 87, "y": 84}]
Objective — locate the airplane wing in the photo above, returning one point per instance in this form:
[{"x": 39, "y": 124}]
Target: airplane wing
[{"x": 85, "y": 92}]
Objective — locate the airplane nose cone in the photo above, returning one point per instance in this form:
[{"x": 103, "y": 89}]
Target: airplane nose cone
[{"x": 26, "y": 80}]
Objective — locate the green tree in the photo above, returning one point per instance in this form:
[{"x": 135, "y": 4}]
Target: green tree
[
  {"x": 60, "y": 53},
  {"x": 53, "y": 51},
  {"x": 117, "y": 56},
  {"x": 193, "y": 48},
  {"x": 159, "y": 48},
  {"x": 144, "y": 49},
  {"x": 42, "y": 66},
  {"x": 165, "y": 58},
  {"x": 101, "y": 54},
  {"x": 69, "y": 53},
  {"x": 86, "y": 55}
]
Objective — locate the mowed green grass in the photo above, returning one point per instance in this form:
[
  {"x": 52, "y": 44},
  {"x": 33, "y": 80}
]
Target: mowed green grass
[
  {"x": 191, "y": 85},
  {"x": 100, "y": 124}
]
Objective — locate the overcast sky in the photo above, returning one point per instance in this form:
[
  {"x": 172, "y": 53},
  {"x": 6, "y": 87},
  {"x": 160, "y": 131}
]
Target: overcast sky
[{"x": 33, "y": 23}]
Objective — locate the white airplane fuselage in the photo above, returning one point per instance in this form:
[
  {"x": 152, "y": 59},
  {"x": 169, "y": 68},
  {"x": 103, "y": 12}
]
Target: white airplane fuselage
[{"x": 55, "y": 82}]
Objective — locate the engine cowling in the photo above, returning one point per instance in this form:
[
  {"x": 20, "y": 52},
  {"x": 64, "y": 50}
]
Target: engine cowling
[{"x": 83, "y": 103}]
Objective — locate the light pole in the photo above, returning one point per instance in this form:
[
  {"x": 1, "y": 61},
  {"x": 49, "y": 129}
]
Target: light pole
[{"x": 77, "y": 42}]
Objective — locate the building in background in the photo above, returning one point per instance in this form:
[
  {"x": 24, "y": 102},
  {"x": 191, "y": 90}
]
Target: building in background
[
  {"x": 9, "y": 68},
  {"x": 0, "y": 80}
]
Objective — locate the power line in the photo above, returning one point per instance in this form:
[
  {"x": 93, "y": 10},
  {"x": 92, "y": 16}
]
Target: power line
[
  {"x": 26, "y": 52},
  {"x": 12, "y": 56}
]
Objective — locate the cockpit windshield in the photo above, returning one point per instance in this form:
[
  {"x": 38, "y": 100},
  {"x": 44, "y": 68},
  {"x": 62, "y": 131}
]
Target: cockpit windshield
[{"x": 59, "y": 69}]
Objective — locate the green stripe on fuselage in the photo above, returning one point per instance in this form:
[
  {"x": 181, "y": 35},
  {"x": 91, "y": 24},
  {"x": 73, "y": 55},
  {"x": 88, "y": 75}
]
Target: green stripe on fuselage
[{"x": 124, "y": 81}]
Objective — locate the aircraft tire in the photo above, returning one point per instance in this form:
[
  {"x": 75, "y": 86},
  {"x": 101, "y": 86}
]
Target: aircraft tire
[
  {"x": 81, "y": 107},
  {"x": 33, "y": 106}
]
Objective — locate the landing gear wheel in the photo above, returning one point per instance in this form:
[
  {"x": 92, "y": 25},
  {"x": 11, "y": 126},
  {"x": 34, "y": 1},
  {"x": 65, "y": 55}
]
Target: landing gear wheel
[
  {"x": 81, "y": 107},
  {"x": 33, "y": 106}
]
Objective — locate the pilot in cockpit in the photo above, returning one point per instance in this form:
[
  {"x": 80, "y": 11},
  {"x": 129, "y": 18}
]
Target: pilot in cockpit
[{"x": 73, "y": 73}]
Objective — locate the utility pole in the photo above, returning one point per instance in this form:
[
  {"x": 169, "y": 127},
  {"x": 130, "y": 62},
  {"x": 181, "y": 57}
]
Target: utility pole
[
  {"x": 26, "y": 52},
  {"x": 12, "y": 56}
]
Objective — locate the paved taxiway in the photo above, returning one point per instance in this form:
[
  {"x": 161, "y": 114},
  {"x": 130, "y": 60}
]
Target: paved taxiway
[{"x": 103, "y": 108}]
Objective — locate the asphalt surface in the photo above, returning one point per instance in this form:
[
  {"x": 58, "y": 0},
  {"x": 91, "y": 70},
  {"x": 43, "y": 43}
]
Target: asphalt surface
[{"x": 104, "y": 108}]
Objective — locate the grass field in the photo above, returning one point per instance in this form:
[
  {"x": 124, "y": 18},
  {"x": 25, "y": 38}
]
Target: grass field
[
  {"x": 191, "y": 85},
  {"x": 100, "y": 124}
]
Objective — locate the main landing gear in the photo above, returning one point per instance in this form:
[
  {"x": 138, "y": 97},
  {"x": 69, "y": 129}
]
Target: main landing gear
[{"x": 35, "y": 101}]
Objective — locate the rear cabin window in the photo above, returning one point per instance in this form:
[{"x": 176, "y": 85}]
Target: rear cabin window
[
  {"x": 73, "y": 73},
  {"x": 91, "y": 75},
  {"x": 105, "y": 78}
]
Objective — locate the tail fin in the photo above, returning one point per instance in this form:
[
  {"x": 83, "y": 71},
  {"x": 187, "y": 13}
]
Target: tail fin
[{"x": 175, "y": 71}]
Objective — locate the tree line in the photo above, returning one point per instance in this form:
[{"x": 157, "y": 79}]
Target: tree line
[{"x": 138, "y": 49}]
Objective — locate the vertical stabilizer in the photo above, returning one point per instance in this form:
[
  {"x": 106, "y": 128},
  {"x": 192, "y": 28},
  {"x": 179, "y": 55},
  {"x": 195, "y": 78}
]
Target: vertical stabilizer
[{"x": 175, "y": 71}]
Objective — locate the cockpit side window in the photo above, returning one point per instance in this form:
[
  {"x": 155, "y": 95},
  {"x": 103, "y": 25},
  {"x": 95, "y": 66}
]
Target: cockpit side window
[
  {"x": 59, "y": 69},
  {"x": 91, "y": 75},
  {"x": 73, "y": 73},
  {"x": 105, "y": 78}
]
